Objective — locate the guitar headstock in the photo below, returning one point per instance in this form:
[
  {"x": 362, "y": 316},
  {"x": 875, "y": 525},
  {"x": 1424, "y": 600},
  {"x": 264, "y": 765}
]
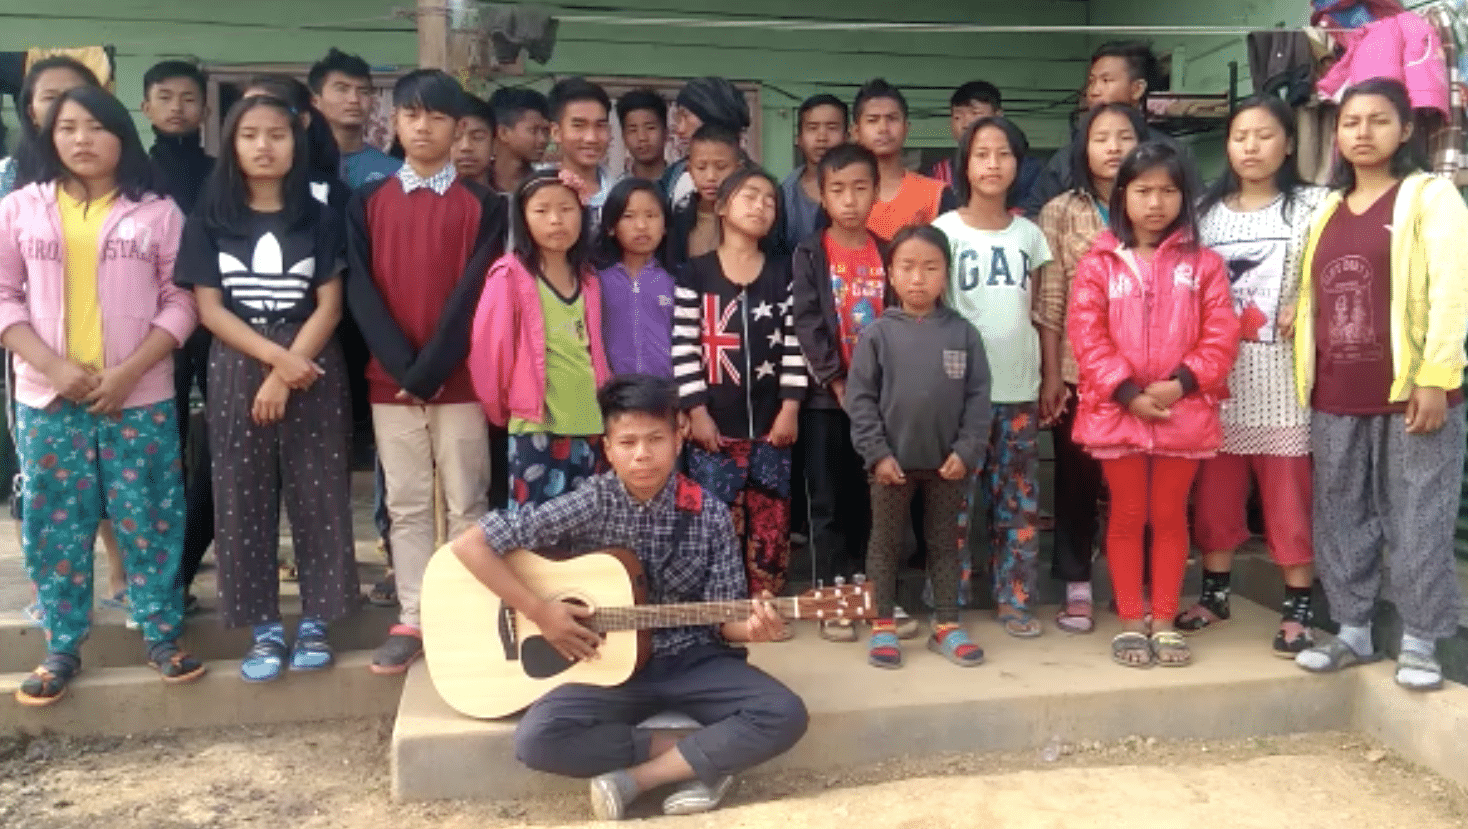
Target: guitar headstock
[{"x": 840, "y": 601}]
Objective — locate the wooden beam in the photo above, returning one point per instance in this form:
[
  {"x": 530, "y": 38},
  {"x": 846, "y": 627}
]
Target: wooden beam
[{"x": 433, "y": 34}]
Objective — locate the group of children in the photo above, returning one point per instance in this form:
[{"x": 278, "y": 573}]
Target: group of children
[{"x": 909, "y": 338}]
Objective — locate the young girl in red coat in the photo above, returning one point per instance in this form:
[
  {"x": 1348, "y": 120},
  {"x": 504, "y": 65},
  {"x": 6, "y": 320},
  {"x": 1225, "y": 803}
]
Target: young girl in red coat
[{"x": 1153, "y": 327}]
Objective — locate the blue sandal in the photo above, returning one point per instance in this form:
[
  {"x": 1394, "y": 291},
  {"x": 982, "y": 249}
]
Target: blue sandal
[
  {"x": 883, "y": 649},
  {"x": 264, "y": 661}
]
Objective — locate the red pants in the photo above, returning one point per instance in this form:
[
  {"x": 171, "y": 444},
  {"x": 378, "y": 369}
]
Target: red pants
[
  {"x": 1148, "y": 489},
  {"x": 1222, "y": 496}
]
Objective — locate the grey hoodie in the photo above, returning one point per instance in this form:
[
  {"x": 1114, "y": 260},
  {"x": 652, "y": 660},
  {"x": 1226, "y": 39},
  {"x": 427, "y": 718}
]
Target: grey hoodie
[{"x": 918, "y": 389}]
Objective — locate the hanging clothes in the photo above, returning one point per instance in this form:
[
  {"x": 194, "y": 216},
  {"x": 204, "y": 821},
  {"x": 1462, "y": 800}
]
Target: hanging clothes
[
  {"x": 1446, "y": 143},
  {"x": 1404, "y": 47},
  {"x": 1280, "y": 60}
]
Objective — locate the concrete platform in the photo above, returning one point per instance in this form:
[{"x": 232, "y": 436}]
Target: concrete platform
[
  {"x": 132, "y": 700},
  {"x": 1028, "y": 691}
]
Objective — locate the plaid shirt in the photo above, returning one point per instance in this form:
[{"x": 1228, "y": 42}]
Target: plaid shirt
[
  {"x": 1071, "y": 222},
  {"x": 439, "y": 182},
  {"x": 706, "y": 565}
]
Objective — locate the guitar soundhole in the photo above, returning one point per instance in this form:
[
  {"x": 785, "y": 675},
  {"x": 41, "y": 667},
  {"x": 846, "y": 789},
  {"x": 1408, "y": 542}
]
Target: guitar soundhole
[{"x": 540, "y": 659}]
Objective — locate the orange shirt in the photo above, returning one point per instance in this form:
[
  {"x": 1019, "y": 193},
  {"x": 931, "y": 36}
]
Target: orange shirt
[{"x": 916, "y": 203}]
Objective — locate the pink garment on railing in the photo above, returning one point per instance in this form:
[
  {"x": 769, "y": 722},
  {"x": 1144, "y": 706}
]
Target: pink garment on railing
[{"x": 1404, "y": 47}]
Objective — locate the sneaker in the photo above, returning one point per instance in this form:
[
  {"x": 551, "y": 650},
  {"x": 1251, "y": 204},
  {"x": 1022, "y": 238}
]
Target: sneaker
[
  {"x": 403, "y": 647},
  {"x": 48, "y": 682},
  {"x": 174, "y": 664},
  {"x": 607, "y": 800},
  {"x": 311, "y": 652},
  {"x": 694, "y": 797},
  {"x": 263, "y": 661},
  {"x": 907, "y": 626}
]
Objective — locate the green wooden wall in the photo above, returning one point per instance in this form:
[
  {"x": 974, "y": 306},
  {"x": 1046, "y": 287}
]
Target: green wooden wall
[{"x": 1036, "y": 72}]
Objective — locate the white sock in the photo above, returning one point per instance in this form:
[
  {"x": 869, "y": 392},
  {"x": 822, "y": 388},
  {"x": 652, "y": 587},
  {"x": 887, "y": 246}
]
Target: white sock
[
  {"x": 1414, "y": 677},
  {"x": 1356, "y": 638}
]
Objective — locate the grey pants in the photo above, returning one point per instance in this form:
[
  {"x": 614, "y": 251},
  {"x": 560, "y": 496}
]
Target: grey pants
[
  {"x": 748, "y": 717},
  {"x": 1388, "y": 501},
  {"x": 302, "y": 460}
]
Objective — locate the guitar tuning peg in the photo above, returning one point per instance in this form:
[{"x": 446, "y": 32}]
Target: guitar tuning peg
[
  {"x": 859, "y": 579},
  {"x": 820, "y": 583},
  {"x": 840, "y": 580}
]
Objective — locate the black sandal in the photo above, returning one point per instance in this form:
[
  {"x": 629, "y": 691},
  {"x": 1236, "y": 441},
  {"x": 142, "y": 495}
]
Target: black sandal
[
  {"x": 1296, "y": 609},
  {"x": 385, "y": 592},
  {"x": 174, "y": 664},
  {"x": 48, "y": 682},
  {"x": 1190, "y": 621}
]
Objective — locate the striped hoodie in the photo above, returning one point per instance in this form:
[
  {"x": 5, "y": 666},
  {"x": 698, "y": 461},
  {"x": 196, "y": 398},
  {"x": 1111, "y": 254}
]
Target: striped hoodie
[{"x": 734, "y": 347}]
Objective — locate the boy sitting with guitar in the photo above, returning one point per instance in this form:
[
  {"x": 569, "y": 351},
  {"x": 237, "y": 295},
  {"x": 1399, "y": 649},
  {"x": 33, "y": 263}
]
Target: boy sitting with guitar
[{"x": 685, "y": 542}]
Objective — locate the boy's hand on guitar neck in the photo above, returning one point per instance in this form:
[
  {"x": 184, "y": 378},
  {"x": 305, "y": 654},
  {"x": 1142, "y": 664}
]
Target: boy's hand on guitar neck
[
  {"x": 560, "y": 624},
  {"x": 763, "y": 624}
]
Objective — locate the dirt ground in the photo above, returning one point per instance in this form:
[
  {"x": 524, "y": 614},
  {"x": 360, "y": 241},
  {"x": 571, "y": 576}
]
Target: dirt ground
[{"x": 335, "y": 775}]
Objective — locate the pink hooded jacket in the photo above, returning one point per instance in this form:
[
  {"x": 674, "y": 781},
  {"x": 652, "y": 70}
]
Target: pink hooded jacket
[
  {"x": 1404, "y": 47},
  {"x": 139, "y": 243},
  {"x": 507, "y": 343},
  {"x": 1130, "y": 323}
]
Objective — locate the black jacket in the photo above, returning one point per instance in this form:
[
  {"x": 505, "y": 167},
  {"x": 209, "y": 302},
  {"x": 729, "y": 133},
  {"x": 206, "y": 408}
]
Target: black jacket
[
  {"x": 182, "y": 167},
  {"x": 817, "y": 326}
]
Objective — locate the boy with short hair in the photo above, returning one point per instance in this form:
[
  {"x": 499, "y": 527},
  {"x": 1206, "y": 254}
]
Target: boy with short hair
[
  {"x": 713, "y": 154},
  {"x": 684, "y": 539},
  {"x": 969, "y": 103},
  {"x": 174, "y": 101},
  {"x": 839, "y": 286},
  {"x": 521, "y": 133},
  {"x": 1122, "y": 72},
  {"x": 820, "y": 125},
  {"x": 474, "y": 149},
  {"x": 643, "y": 115},
  {"x": 880, "y": 124},
  {"x": 341, "y": 89},
  {"x": 581, "y": 126},
  {"x": 418, "y": 246}
]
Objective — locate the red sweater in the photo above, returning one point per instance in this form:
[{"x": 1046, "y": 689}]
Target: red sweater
[{"x": 416, "y": 265}]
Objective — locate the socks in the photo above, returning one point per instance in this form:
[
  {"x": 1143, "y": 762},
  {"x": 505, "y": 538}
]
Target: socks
[
  {"x": 1216, "y": 588},
  {"x": 1078, "y": 591},
  {"x": 1420, "y": 678},
  {"x": 1296, "y": 607},
  {"x": 273, "y": 631},
  {"x": 1356, "y": 638}
]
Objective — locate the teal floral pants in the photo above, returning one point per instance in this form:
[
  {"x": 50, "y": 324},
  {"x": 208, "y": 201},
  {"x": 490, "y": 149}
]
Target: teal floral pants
[{"x": 73, "y": 463}]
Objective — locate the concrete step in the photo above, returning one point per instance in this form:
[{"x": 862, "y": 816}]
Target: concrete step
[
  {"x": 111, "y": 645},
  {"x": 1027, "y": 692},
  {"x": 132, "y": 700}
]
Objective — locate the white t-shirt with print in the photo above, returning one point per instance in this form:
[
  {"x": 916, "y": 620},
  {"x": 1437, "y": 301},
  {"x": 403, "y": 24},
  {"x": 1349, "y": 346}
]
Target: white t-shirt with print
[{"x": 991, "y": 285}]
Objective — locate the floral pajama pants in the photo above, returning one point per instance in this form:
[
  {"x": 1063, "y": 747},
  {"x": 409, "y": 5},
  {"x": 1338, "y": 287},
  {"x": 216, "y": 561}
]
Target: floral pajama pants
[
  {"x": 75, "y": 464},
  {"x": 1009, "y": 481},
  {"x": 543, "y": 466},
  {"x": 753, "y": 478}
]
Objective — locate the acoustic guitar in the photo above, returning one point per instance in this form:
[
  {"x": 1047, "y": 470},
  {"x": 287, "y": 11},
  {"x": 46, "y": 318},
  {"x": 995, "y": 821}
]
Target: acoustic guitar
[{"x": 488, "y": 660}]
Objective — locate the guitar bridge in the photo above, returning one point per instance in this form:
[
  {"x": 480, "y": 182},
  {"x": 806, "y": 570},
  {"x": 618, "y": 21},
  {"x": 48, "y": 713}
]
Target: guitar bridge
[{"x": 509, "y": 636}]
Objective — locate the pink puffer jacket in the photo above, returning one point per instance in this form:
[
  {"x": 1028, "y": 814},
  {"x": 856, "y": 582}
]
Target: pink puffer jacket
[{"x": 1133, "y": 323}]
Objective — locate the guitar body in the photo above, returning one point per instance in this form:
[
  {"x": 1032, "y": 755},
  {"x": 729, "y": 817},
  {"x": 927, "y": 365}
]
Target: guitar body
[{"x": 487, "y": 660}]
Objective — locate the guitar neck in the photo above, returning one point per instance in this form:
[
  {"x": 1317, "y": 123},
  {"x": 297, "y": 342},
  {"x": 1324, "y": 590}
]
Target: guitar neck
[{"x": 647, "y": 617}]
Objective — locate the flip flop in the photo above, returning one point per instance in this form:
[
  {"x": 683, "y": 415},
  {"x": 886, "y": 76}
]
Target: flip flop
[
  {"x": 1020, "y": 624},
  {"x": 1131, "y": 642},
  {"x": 1076, "y": 617}
]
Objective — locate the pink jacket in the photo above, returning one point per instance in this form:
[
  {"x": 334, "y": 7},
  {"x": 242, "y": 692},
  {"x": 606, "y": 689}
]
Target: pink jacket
[
  {"x": 1127, "y": 326},
  {"x": 507, "y": 343},
  {"x": 139, "y": 243},
  {"x": 1404, "y": 47}
]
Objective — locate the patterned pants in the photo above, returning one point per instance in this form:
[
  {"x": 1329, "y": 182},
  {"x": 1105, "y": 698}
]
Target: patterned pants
[
  {"x": 543, "y": 466},
  {"x": 1009, "y": 483},
  {"x": 753, "y": 478},
  {"x": 75, "y": 463},
  {"x": 1386, "y": 504},
  {"x": 303, "y": 460},
  {"x": 942, "y": 502}
]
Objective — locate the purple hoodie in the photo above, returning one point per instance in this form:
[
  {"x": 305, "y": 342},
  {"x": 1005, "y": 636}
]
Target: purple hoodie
[{"x": 637, "y": 319}]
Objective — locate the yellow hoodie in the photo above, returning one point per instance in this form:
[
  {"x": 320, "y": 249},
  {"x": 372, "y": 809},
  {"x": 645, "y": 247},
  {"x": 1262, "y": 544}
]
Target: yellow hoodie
[{"x": 1429, "y": 289}]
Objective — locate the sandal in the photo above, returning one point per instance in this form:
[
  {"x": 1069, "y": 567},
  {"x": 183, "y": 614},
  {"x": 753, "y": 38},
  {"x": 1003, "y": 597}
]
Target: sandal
[
  {"x": 174, "y": 664},
  {"x": 1076, "y": 617},
  {"x": 1206, "y": 614},
  {"x": 385, "y": 592},
  {"x": 1019, "y": 623},
  {"x": 1131, "y": 643},
  {"x": 952, "y": 643},
  {"x": 1297, "y": 611},
  {"x": 838, "y": 630},
  {"x": 883, "y": 649},
  {"x": 48, "y": 682},
  {"x": 1333, "y": 656},
  {"x": 1170, "y": 649},
  {"x": 1428, "y": 671},
  {"x": 403, "y": 646}
]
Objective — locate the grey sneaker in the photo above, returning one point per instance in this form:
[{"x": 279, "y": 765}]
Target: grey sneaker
[
  {"x": 607, "y": 800},
  {"x": 694, "y": 797}
]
